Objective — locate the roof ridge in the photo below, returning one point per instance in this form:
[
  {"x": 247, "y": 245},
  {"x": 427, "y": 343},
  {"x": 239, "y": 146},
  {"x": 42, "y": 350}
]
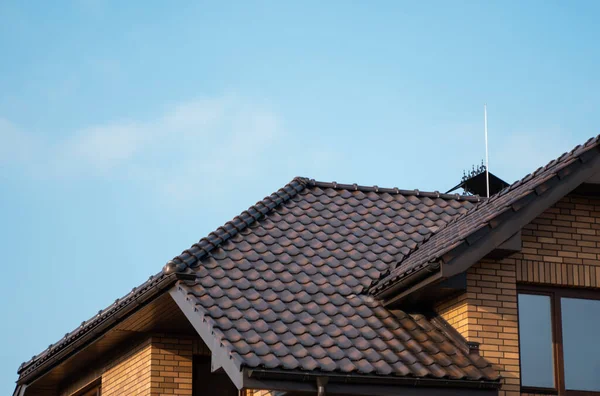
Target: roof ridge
[
  {"x": 524, "y": 179},
  {"x": 392, "y": 190},
  {"x": 204, "y": 246}
]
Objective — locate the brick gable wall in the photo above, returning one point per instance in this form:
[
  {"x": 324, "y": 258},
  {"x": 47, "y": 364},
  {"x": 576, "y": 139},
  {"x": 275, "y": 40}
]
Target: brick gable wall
[
  {"x": 129, "y": 374},
  {"x": 171, "y": 366},
  {"x": 561, "y": 247},
  {"x": 157, "y": 365}
]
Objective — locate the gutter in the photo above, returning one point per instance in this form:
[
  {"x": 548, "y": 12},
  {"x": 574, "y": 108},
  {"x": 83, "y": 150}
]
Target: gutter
[
  {"x": 407, "y": 281},
  {"x": 73, "y": 343},
  {"x": 369, "y": 380}
]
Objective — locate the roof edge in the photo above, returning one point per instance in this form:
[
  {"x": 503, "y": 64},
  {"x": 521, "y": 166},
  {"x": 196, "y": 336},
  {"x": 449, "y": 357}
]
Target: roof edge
[
  {"x": 91, "y": 329},
  {"x": 189, "y": 257}
]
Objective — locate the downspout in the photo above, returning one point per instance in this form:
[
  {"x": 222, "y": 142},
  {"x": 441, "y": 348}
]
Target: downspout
[{"x": 321, "y": 382}]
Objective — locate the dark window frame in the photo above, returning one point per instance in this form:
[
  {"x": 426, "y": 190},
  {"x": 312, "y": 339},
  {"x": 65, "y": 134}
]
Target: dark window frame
[
  {"x": 94, "y": 388},
  {"x": 555, "y": 294}
]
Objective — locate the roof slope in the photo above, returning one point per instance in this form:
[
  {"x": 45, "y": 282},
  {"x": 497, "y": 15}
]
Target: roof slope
[
  {"x": 467, "y": 228},
  {"x": 281, "y": 285},
  {"x": 284, "y": 291}
]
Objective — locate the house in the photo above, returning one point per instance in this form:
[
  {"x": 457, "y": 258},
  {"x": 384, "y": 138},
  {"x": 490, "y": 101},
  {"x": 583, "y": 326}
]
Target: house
[{"x": 335, "y": 289}]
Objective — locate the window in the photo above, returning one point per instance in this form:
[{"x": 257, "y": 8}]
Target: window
[
  {"x": 559, "y": 340},
  {"x": 93, "y": 389},
  {"x": 581, "y": 344},
  {"x": 535, "y": 336},
  {"x": 92, "y": 392}
]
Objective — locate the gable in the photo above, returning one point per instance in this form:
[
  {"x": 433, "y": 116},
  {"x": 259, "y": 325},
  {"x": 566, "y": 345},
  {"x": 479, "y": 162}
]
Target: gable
[
  {"x": 559, "y": 254},
  {"x": 470, "y": 237}
]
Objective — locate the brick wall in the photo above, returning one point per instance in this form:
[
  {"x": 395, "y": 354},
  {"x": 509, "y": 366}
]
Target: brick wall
[
  {"x": 455, "y": 312},
  {"x": 156, "y": 365},
  {"x": 171, "y": 366},
  {"x": 561, "y": 247},
  {"x": 130, "y": 373},
  {"x": 492, "y": 317},
  {"x": 487, "y": 313}
]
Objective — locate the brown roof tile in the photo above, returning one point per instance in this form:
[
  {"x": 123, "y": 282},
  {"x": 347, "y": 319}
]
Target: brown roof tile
[
  {"x": 286, "y": 288},
  {"x": 282, "y": 283}
]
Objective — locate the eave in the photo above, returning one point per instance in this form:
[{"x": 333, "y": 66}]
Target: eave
[
  {"x": 357, "y": 384},
  {"x": 90, "y": 331}
]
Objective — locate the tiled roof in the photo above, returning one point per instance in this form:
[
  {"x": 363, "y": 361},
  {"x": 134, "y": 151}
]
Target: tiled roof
[
  {"x": 282, "y": 284},
  {"x": 466, "y": 228}
]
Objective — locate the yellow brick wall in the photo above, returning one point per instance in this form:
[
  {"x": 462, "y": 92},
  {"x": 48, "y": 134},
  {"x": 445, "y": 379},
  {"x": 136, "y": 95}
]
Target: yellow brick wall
[
  {"x": 487, "y": 313},
  {"x": 492, "y": 318},
  {"x": 454, "y": 311},
  {"x": 157, "y": 365},
  {"x": 562, "y": 246},
  {"x": 129, "y": 374},
  {"x": 171, "y": 367}
]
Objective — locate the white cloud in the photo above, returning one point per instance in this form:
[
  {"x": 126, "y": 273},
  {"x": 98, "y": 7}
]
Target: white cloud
[
  {"x": 191, "y": 146},
  {"x": 102, "y": 148},
  {"x": 206, "y": 149}
]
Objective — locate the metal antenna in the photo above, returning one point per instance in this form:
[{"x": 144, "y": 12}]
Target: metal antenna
[{"x": 487, "y": 163}]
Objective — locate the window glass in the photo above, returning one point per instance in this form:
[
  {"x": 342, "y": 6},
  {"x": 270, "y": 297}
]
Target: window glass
[
  {"x": 535, "y": 338},
  {"x": 581, "y": 348}
]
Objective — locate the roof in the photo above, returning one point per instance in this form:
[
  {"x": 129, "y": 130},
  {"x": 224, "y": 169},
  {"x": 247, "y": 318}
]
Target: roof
[
  {"x": 289, "y": 284},
  {"x": 467, "y": 229},
  {"x": 282, "y": 285},
  {"x": 293, "y": 282}
]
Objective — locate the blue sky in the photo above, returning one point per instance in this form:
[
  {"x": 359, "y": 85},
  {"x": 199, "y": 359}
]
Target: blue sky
[{"x": 129, "y": 130}]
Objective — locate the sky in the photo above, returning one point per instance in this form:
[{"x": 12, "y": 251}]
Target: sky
[{"x": 130, "y": 130}]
